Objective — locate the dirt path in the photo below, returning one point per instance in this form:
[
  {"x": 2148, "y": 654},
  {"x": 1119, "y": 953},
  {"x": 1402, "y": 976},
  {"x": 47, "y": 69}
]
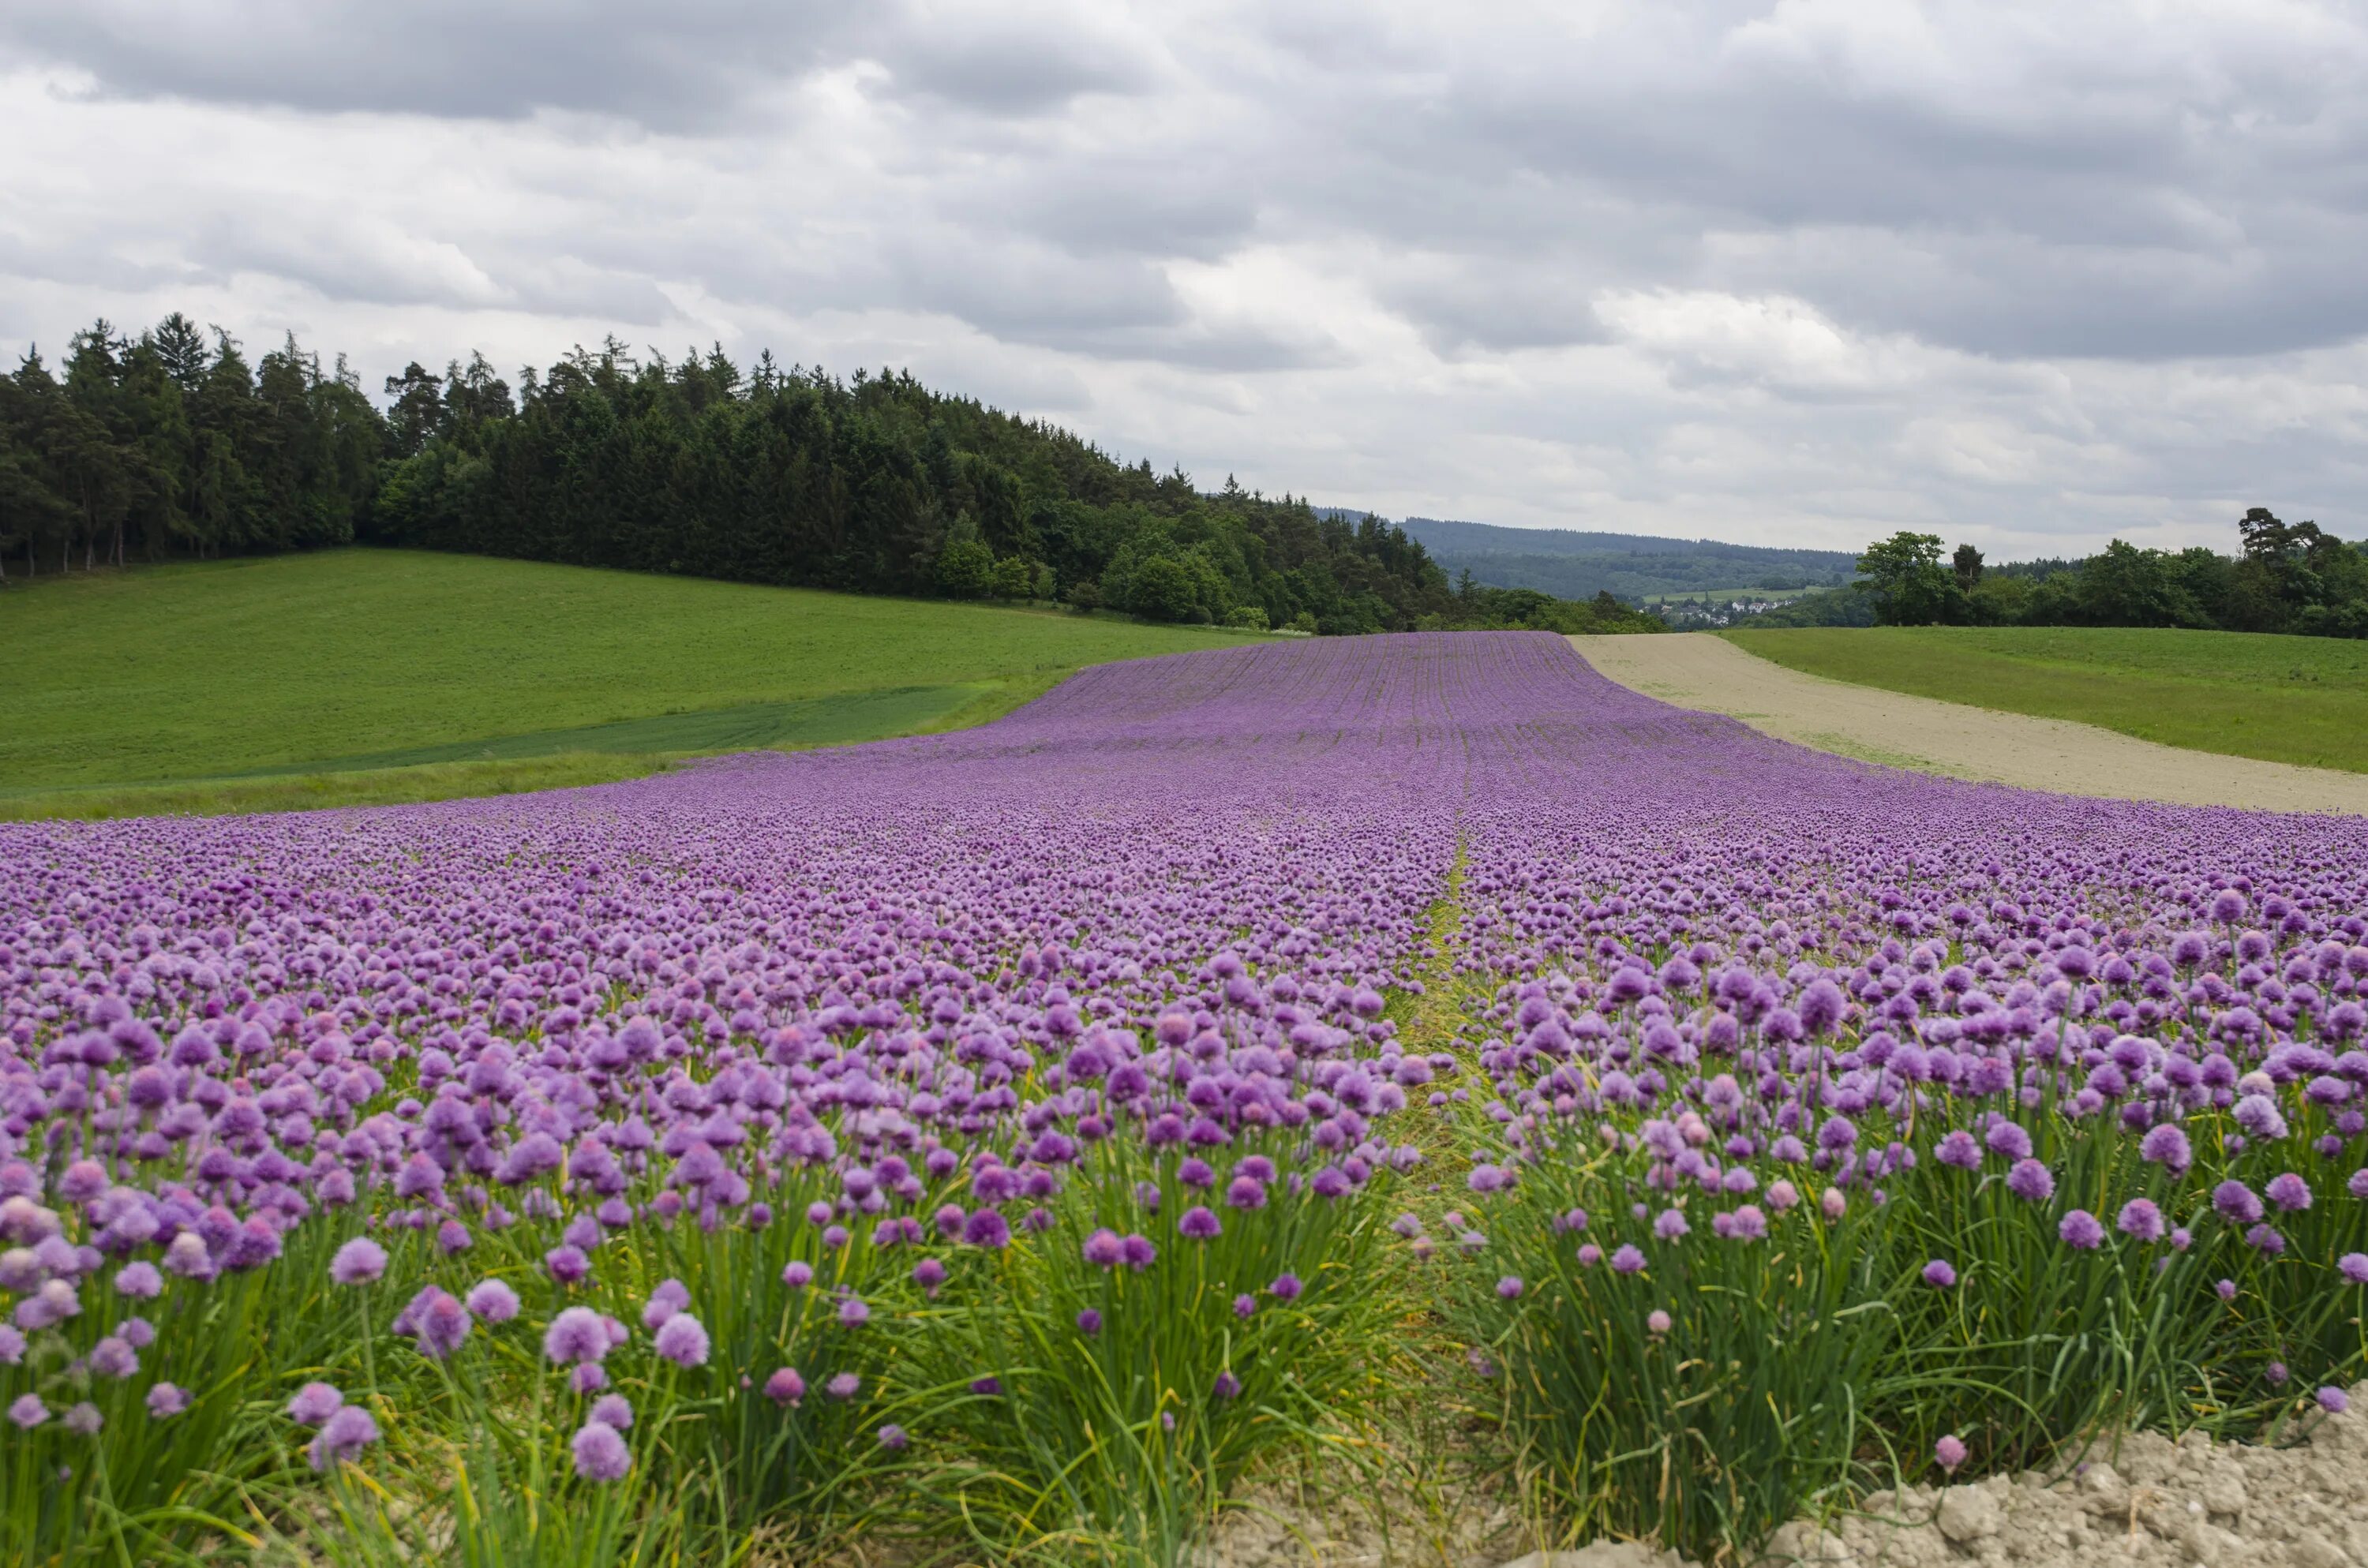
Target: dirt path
[{"x": 1700, "y": 671}]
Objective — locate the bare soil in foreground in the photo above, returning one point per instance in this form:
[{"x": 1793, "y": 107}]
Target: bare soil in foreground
[
  {"x": 1698, "y": 671},
  {"x": 2143, "y": 1502}
]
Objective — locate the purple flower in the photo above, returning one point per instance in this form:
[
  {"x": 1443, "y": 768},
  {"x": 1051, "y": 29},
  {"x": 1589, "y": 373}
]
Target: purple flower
[
  {"x": 683, "y": 1340},
  {"x": 1657, "y": 1322},
  {"x": 358, "y": 1262},
  {"x": 671, "y": 1297},
  {"x": 114, "y": 1357},
  {"x": 587, "y": 1377},
  {"x": 1669, "y": 1225},
  {"x": 1950, "y": 1451},
  {"x": 798, "y": 1276},
  {"x": 1198, "y": 1222},
  {"x": 140, "y": 1280},
  {"x": 2353, "y": 1267},
  {"x": 166, "y": 1401},
  {"x": 1959, "y": 1149},
  {"x": 442, "y": 1326},
  {"x": 1227, "y": 1385},
  {"x": 1286, "y": 1287},
  {"x": 1140, "y": 1253},
  {"x": 1089, "y": 1322},
  {"x": 785, "y": 1387},
  {"x": 493, "y": 1302},
  {"x": 987, "y": 1388},
  {"x": 2165, "y": 1145},
  {"x": 1628, "y": 1260},
  {"x": 28, "y": 1412},
  {"x": 853, "y": 1313},
  {"x": 2334, "y": 1401},
  {"x": 1508, "y": 1287},
  {"x": 83, "y": 1420},
  {"x": 601, "y": 1452},
  {"x": 612, "y": 1410},
  {"x": 985, "y": 1228},
  {"x": 2141, "y": 1219},
  {"x": 844, "y": 1386},
  {"x": 314, "y": 1404},
  {"x": 343, "y": 1438},
  {"x": 2237, "y": 1203},
  {"x": 1940, "y": 1274},
  {"x": 575, "y": 1335},
  {"x": 2082, "y": 1230},
  {"x": 2030, "y": 1181},
  {"x": 2225, "y": 1290},
  {"x": 567, "y": 1264},
  {"x": 893, "y": 1438},
  {"x": 1104, "y": 1249},
  {"x": 2289, "y": 1192},
  {"x": 2276, "y": 1372}
]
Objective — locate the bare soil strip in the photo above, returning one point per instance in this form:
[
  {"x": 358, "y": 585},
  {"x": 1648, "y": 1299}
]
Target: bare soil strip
[{"x": 1698, "y": 671}]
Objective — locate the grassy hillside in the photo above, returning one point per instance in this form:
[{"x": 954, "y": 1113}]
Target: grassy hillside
[
  {"x": 363, "y": 674},
  {"x": 2302, "y": 699},
  {"x": 1573, "y": 564}
]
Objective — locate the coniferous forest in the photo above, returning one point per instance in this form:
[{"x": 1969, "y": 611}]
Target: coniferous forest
[{"x": 175, "y": 443}]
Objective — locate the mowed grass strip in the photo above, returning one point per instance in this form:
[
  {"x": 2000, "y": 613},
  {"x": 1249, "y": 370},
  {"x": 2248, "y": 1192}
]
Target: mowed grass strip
[
  {"x": 2298, "y": 699},
  {"x": 367, "y": 661}
]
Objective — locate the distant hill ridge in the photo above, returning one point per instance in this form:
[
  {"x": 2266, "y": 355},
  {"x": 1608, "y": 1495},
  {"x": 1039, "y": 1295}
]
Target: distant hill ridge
[{"x": 1572, "y": 563}]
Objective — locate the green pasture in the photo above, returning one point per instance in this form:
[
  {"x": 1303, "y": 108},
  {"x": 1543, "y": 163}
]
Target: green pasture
[
  {"x": 2299, "y": 700},
  {"x": 368, "y": 676}
]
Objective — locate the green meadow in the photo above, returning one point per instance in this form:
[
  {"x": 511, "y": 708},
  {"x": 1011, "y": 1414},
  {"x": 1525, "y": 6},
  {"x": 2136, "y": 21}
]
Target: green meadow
[
  {"x": 2299, "y": 700},
  {"x": 357, "y": 676}
]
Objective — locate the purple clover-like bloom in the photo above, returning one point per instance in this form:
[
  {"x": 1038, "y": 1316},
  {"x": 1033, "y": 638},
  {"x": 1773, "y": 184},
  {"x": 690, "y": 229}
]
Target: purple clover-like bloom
[
  {"x": 314, "y": 1404},
  {"x": 1227, "y": 1385},
  {"x": 359, "y": 1262},
  {"x": 1089, "y": 1322},
  {"x": 987, "y": 1228},
  {"x": 893, "y": 1438},
  {"x": 1940, "y": 1274},
  {"x": 2289, "y": 1192},
  {"x": 1669, "y": 1225},
  {"x": 2081, "y": 1229},
  {"x": 1103, "y": 1249},
  {"x": 844, "y": 1386},
  {"x": 1949, "y": 1452},
  {"x": 682, "y": 1339},
  {"x": 140, "y": 1280},
  {"x": 2237, "y": 1203},
  {"x": 1198, "y": 1222},
  {"x": 612, "y": 1410},
  {"x": 342, "y": 1438},
  {"x": 2165, "y": 1145},
  {"x": 798, "y": 1275},
  {"x": 441, "y": 1327},
  {"x": 2334, "y": 1401},
  {"x": 672, "y": 1296},
  {"x": 165, "y": 1401},
  {"x": 2030, "y": 1181},
  {"x": 1959, "y": 1149},
  {"x": 567, "y": 1264},
  {"x": 2141, "y": 1219},
  {"x": 491, "y": 1300},
  {"x": 575, "y": 1335},
  {"x": 1286, "y": 1287},
  {"x": 601, "y": 1452},
  {"x": 27, "y": 1412},
  {"x": 785, "y": 1387},
  {"x": 1628, "y": 1260}
]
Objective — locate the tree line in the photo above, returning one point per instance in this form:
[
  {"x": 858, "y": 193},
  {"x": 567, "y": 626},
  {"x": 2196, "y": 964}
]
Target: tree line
[
  {"x": 174, "y": 444},
  {"x": 2289, "y": 577},
  {"x": 2286, "y": 577}
]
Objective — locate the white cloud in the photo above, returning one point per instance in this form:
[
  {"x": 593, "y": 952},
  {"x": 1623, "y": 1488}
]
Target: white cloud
[{"x": 1776, "y": 270}]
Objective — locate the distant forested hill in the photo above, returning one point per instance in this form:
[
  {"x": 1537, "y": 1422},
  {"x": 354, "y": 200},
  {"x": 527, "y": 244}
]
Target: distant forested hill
[
  {"x": 1568, "y": 563},
  {"x": 175, "y": 443}
]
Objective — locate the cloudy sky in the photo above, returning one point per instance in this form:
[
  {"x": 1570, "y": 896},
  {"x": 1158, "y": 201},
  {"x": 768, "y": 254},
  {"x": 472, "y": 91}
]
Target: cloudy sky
[{"x": 1789, "y": 272}]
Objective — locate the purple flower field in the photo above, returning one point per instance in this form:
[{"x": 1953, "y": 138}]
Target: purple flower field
[{"x": 1020, "y": 1135}]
